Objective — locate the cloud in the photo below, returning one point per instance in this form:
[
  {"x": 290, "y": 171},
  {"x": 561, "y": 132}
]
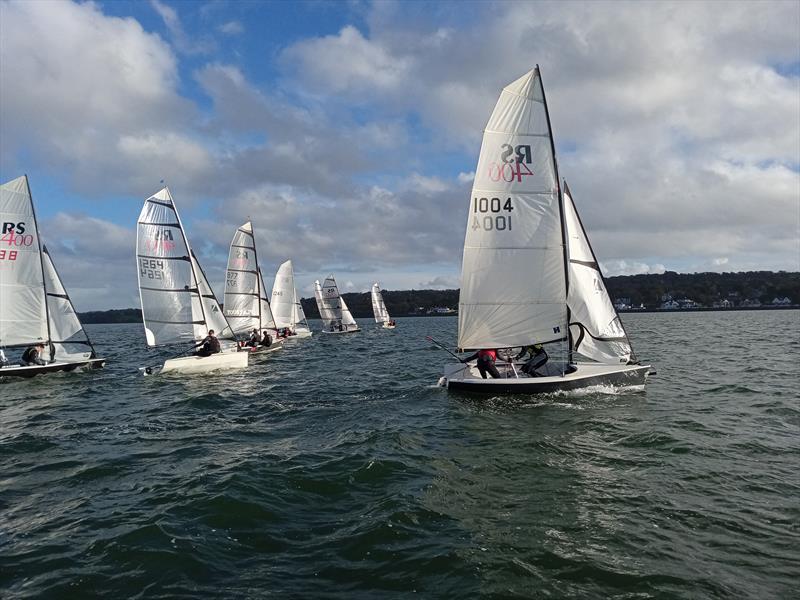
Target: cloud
[
  {"x": 440, "y": 282},
  {"x": 622, "y": 267},
  {"x": 183, "y": 42},
  {"x": 231, "y": 28}
]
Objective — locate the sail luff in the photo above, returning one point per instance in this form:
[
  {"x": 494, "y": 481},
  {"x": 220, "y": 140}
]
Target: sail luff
[
  {"x": 41, "y": 264},
  {"x": 561, "y": 215}
]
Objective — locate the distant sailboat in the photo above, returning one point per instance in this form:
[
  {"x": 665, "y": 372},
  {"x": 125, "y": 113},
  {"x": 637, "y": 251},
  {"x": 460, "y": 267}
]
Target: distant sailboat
[
  {"x": 336, "y": 317},
  {"x": 379, "y": 308},
  {"x": 34, "y": 306},
  {"x": 246, "y": 304},
  {"x": 178, "y": 304},
  {"x": 286, "y": 305},
  {"x": 529, "y": 275}
]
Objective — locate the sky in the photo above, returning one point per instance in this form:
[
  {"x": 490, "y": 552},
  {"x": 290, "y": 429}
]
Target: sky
[{"x": 348, "y": 132}]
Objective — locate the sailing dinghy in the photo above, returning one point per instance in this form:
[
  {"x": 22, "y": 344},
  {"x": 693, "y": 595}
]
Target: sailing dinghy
[
  {"x": 529, "y": 275},
  {"x": 246, "y": 303},
  {"x": 286, "y": 305},
  {"x": 379, "y": 308},
  {"x": 178, "y": 304},
  {"x": 34, "y": 306},
  {"x": 336, "y": 317}
]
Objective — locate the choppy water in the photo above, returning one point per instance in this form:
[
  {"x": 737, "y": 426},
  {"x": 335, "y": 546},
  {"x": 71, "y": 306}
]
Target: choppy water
[{"x": 334, "y": 469}]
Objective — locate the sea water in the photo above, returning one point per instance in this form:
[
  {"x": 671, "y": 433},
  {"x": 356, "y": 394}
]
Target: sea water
[{"x": 335, "y": 468}]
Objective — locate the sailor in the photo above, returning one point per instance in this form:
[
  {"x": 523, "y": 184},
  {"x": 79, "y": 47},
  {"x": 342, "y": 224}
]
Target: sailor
[
  {"x": 486, "y": 359},
  {"x": 537, "y": 358},
  {"x": 3, "y": 359},
  {"x": 266, "y": 341},
  {"x": 254, "y": 339},
  {"x": 209, "y": 345},
  {"x": 31, "y": 356}
]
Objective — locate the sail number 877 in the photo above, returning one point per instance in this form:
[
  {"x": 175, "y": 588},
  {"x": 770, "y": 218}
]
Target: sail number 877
[{"x": 485, "y": 214}]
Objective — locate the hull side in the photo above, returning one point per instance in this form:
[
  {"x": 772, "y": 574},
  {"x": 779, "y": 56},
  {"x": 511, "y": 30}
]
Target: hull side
[
  {"x": 587, "y": 375},
  {"x": 205, "y": 364},
  {"x": 20, "y": 371}
]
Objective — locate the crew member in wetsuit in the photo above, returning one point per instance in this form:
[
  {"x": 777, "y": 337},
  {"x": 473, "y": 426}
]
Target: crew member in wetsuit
[
  {"x": 537, "y": 358},
  {"x": 209, "y": 345},
  {"x": 486, "y": 360},
  {"x": 31, "y": 356},
  {"x": 266, "y": 341},
  {"x": 254, "y": 339}
]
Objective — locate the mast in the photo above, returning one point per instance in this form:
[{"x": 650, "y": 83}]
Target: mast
[
  {"x": 560, "y": 216},
  {"x": 41, "y": 267},
  {"x": 258, "y": 271}
]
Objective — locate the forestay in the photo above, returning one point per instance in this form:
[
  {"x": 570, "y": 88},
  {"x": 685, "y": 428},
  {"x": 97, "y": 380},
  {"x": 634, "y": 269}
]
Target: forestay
[
  {"x": 23, "y": 308},
  {"x": 378, "y": 306},
  {"x": 178, "y": 305},
  {"x": 513, "y": 279},
  {"x": 596, "y": 329}
]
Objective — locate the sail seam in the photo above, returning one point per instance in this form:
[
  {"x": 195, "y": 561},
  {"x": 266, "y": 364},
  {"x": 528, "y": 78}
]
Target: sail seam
[{"x": 162, "y": 203}]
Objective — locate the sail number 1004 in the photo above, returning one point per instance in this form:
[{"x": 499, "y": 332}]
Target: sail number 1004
[{"x": 484, "y": 211}]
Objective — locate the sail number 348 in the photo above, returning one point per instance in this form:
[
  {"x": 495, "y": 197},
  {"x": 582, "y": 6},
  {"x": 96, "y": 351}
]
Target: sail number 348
[{"x": 484, "y": 214}]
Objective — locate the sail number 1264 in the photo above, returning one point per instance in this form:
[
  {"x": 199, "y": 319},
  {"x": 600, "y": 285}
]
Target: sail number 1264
[{"x": 485, "y": 214}]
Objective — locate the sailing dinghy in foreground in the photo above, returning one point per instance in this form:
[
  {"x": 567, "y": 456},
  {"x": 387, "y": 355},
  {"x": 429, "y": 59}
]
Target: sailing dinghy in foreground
[
  {"x": 379, "y": 308},
  {"x": 336, "y": 317},
  {"x": 34, "y": 306},
  {"x": 529, "y": 275},
  {"x": 246, "y": 303},
  {"x": 286, "y": 305},
  {"x": 178, "y": 304}
]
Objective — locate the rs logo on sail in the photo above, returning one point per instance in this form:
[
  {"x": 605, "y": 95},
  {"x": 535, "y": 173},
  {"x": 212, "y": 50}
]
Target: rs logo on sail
[{"x": 10, "y": 227}]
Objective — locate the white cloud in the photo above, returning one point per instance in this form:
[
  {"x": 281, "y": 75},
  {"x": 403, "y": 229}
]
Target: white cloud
[
  {"x": 444, "y": 282},
  {"x": 232, "y": 28},
  {"x": 183, "y": 42}
]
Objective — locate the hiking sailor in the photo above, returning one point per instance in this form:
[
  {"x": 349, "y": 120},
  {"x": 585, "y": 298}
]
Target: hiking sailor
[
  {"x": 537, "y": 358},
  {"x": 254, "y": 339},
  {"x": 31, "y": 356},
  {"x": 209, "y": 345},
  {"x": 486, "y": 359}
]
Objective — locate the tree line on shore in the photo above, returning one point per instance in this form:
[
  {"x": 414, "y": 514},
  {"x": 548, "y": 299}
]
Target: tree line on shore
[{"x": 650, "y": 291}]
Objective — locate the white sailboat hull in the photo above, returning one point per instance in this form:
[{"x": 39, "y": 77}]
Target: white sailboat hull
[
  {"x": 204, "y": 364},
  {"x": 387, "y": 326},
  {"x": 302, "y": 333},
  {"x": 466, "y": 378},
  {"x": 32, "y": 370},
  {"x": 341, "y": 332},
  {"x": 275, "y": 345}
]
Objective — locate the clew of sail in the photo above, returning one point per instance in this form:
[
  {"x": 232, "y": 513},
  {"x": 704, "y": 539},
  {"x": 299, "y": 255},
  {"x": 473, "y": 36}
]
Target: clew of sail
[
  {"x": 68, "y": 338},
  {"x": 513, "y": 276},
  {"x": 23, "y": 308},
  {"x": 596, "y": 329},
  {"x": 242, "y": 297},
  {"x": 378, "y": 305}
]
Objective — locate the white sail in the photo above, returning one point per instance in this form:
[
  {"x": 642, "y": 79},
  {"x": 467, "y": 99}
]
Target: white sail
[
  {"x": 178, "y": 305},
  {"x": 23, "y": 308},
  {"x": 267, "y": 316},
  {"x": 301, "y": 323},
  {"x": 242, "y": 293},
  {"x": 283, "y": 297},
  {"x": 69, "y": 341},
  {"x": 328, "y": 302},
  {"x": 378, "y": 305},
  {"x": 513, "y": 277},
  {"x": 347, "y": 317},
  {"x": 595, "y": 327}
]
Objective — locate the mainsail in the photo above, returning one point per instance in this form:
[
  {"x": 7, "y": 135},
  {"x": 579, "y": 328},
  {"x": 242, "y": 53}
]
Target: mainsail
[
  {"x": 595, "y": 327},
  {"x": 328, "y": 302},
  {"x": 287, "y": 309},
  {"x": 242, "y": 283},
  {"x": 178, "y": 305},
  {"x": 34, "y": 306},
  {"x": 378, "y": 306},
  {"x": 513, "y": 275}
]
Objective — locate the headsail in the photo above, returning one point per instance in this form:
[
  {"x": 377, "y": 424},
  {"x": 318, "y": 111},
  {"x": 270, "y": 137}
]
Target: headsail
[
  {"x": 347, "y": 317},
  {"x": 596, "y": 328},
  {"x": 178, "y": 305},
  {"x": 378, "y": 305},
  {"x": 283, "y": 296},
  {"x": 23, "y": 307},
  {"x": 267, "y": 316},
  {"x": 513, "y": 276},
  {"x": 69, "y": 341},
  {"x": 301, "y": 323},
  {"x": 242, "y": 295}
]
